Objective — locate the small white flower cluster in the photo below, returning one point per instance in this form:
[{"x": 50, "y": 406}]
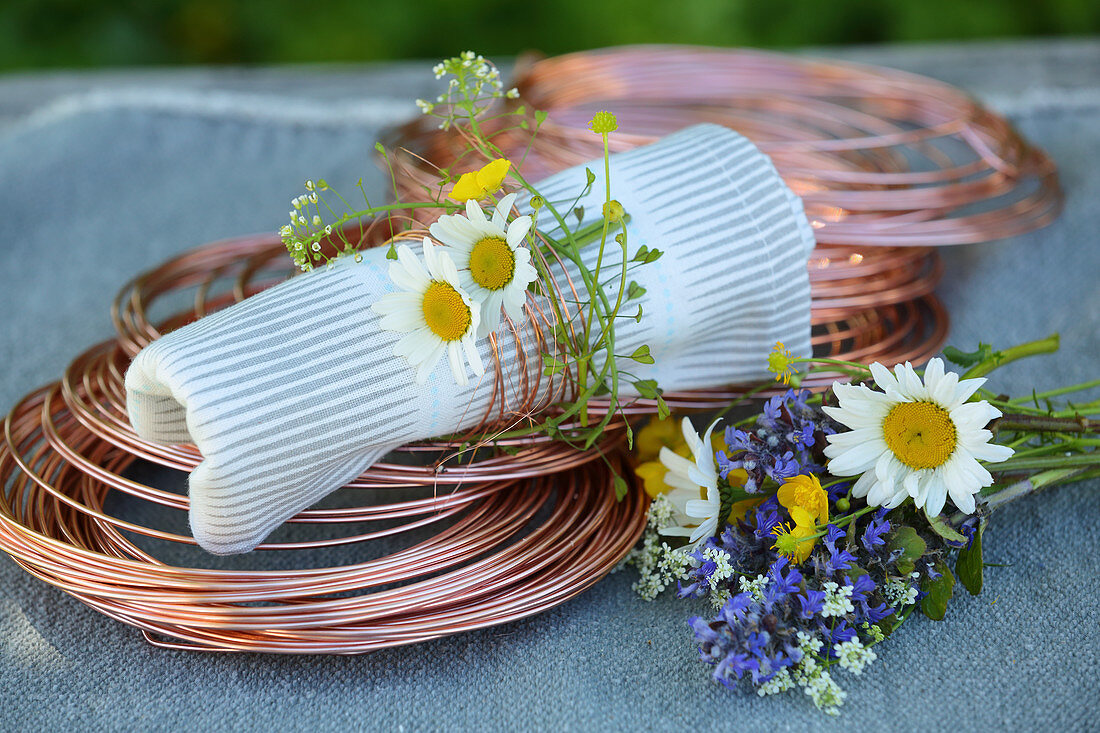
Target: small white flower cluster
[
  {"x": 819, "y": 685},
  {"x": 300, "y": 234},
  {"x": 473, "y": 78},
  {"x": 658, "y": 564},
  {"x": 874, "y": 631},
  {"x": 838, "y": 600},
  {"x": 723, "y": 569},
  {"x": 661, "y": 513},
  {"x": 853, "y": 656},
  {"x": 809, "y": 645},
  {"x": 813, "y": 677},
  {"x": 754, "y": 587},
  {"x": 900, "y": 592},
  {"x": 780, "y": 683}
]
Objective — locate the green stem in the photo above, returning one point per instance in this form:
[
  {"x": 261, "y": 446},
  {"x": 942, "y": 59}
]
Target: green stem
[
  {"x": 1043, "y": 424},
  {"x": 1056, "y": 392},
  {"x": 1031, "y": 464},
  {"x": 1043, "y": 346}
]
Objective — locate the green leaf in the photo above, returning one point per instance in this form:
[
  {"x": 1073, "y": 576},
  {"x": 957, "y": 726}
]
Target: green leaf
[
  {"x": 620, "y": 488},
  {"x": 549, "y": 360},
  {"x": 629, "y": 437},
  {"x": 662, "y": 408},
  {"x": 969, "y": 359},
  {"x": 640, "y": 255},
  {"x": 909, "y": 542},
  {"x": 969, "y": 564},
  {"x": 588, "y": 174},
  {"x": 889, "y": 624},
  {"x": 579, "y": 213},
  {"x": 641, "y": 354},
  {"x": 854, "y": 572},
  {"x": 391, "y": 253},
  {"x": 939, "y": 592},
  {"x": 647, "y": 388},
  {"x": 638, "y": 315},
  {"x": 540, "y": 116},
  {"x": 943, "y": 529},
  {"x": 634, "y": 290},
  {"x": 593, "y": 436},
  {"x": 380, "y": 148},
  {"x": 653, "y": 256},
  {"x": 523, "y": 124}
]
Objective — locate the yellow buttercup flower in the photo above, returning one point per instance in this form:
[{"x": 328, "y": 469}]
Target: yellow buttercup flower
[
  {"x": 652, "y": 474},
  {"x": 805, "y": 492},
  {"x": 780, "y": 362},
  {"x": 476, "y": 185},
  {"x": 657, "y": 434},
  {"x": 797, "y": 542}
]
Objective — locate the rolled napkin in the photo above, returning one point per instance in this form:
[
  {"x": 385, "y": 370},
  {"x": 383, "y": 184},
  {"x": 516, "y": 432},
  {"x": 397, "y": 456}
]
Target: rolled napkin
[{"x": 293, "y": 392}]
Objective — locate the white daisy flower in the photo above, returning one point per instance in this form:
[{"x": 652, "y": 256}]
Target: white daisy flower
[
  {"x": 434, "y": 312},
  {"x": 493, "y": 268},
  {"x": 689, "y": 480},
  {"x": 922, "y": 440}
]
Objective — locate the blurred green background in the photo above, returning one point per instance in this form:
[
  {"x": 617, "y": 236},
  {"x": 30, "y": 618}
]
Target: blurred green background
[{"x": 93, "y": 33}]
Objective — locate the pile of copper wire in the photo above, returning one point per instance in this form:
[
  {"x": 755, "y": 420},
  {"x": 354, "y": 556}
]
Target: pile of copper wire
[
  {"x": 480, "y": 543},
  {"x": 888, "y": 164}
]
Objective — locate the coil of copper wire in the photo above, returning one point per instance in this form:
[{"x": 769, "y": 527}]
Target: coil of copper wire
[{"x": 888, "y": 164}]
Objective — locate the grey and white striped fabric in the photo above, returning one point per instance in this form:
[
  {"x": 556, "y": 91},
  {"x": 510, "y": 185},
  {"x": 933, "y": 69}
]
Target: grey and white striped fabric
[{"x": 292, "y": 393}]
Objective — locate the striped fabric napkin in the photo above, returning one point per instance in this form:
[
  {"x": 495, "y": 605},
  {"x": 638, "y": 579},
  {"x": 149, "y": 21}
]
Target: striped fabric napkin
[{"x": 294, "y": 392}]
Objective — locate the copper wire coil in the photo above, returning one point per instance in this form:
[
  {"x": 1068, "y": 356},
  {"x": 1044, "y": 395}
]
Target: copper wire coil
[
  {"x": 514, "y": 529},
  {"x": 880, "y": 157},
  {"x": 492, "y": 560}
]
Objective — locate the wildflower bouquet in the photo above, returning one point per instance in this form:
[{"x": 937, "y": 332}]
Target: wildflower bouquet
[{"x": 818, "y": 526}]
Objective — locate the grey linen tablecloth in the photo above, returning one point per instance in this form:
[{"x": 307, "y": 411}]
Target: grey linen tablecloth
[{"x": 106, "y": 174}]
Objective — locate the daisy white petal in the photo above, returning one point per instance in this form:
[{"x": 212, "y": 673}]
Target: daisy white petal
[
  {"x": 433, "y": 312},
  {"x": 915, "y": 439},
  {"x": 884, "y": 379},
  {"x": 695, "y": 482},
  {"x": 518, "y": 230},
  {"x": 492, "y": 265}
]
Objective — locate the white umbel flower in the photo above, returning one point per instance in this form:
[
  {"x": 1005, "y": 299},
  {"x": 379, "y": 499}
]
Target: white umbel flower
[
  {"x": 434, "y": 312},
  {"x": 914, "y": 439},
  {"x": 492, "y": 266},
  {"x": 689, "y": 480}
]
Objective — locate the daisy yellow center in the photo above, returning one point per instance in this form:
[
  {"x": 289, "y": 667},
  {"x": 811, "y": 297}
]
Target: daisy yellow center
[
  {"x": 446, "y": 314},
  {"x": 492, "y": 263},
  {"x": 920, "y": 434}
]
